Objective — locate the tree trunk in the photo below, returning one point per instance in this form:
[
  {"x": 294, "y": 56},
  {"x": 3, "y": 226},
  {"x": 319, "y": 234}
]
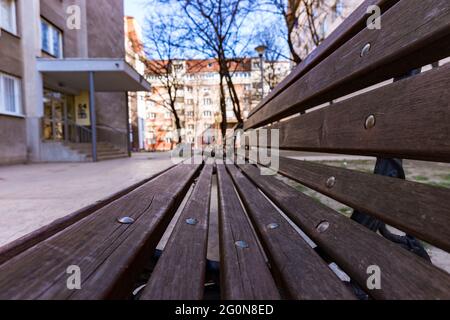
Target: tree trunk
[
  {"x": 177, "y": 123},
  {"x": 223, "y": 110},
  {"x": 234, "y": 97}
]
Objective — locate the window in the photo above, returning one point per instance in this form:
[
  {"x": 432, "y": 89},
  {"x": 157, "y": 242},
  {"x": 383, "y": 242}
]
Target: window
[
  {"x": 178, "y": 67},
  {"x": 207, "y": 113},
  {"x": 51, "y": 39},
  {"x": 190, "y": 102},
  {"x": 10, "y": 98},
  {"x": 189, "y": 89},
  {"x": 152, "y": 115},
  {"x": 191, "y": 127},
  {"x": 8, "y": 16},
  {"x": 190, "y": 114},
  {"x": 168, "y": 115},
  {"x": 207, "y": 101}
]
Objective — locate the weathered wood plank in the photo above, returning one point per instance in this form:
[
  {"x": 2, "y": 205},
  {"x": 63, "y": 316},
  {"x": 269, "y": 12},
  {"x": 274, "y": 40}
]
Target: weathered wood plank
[
  {"x": 244, "y": 273},
  {"x": 18, "y": 246},
  {"x": 413, "y": 33},
  {"x": 110, "y": 255},
  {"x": 180, "y": 271},
  {"x": 411, "y": 120},
  {"x": 355, "y": 248},
  {"x": 351, "y": 26},
  {"x": 418, "y": 209},
  {"x": 302, "y": 273}
]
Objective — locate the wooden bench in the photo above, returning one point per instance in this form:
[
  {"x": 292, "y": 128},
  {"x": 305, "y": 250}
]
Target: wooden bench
[{"x": 275, "y": 241}]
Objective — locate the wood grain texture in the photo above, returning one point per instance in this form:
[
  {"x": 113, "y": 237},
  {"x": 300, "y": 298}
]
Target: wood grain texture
[
  {"x": 18, "y": 246},
  {"x": 302, "y": 273},
  {"x": 418, "y": 209},
  {"x": 413, "y": 33},
  {"x": 351, "y": 26},
  {"x": 412, "y": 119},
  {"x": 244, "y": 273},
  {"x": 180, "y": 271},
  {"x": 110, "y": 255},
  {"x": 355, "y": 248}
]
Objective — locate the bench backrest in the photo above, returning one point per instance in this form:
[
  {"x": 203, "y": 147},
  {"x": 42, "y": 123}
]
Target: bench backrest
[{"x": 361, "y": 92}]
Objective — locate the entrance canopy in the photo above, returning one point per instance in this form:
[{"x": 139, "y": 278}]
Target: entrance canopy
[{"x": 110, "y": 75}]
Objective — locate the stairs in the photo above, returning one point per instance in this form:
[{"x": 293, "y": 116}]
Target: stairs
[{"x": 105, "y": 151}]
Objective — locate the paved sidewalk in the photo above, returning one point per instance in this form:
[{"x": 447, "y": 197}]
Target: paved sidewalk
[{"x": 34, "y": 195}]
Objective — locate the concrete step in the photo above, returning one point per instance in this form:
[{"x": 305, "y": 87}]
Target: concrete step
[
  {"x": 87, "y": 147},
  {"x": 105, "y": 150},
  {"x": 108, "y": 157},
  {"x": 107, "y": 153}
]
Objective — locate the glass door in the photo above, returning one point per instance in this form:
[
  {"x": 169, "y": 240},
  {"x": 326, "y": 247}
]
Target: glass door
[{"x": 55, "y": 111}]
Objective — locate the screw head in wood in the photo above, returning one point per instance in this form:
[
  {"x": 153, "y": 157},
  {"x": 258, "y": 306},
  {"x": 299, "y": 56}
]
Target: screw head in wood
[
  {"x": 365, "y": 50},
  {"x": 241, "y": 244},
  {"x": 273, "y": 226},
  {"x": 125, "y": 220},
  {"x": 370, "y": 122},
  {"x": 191, "y": 221},
  {"x": 323, "y": 226},
  {"x": 331, "y": 182}
]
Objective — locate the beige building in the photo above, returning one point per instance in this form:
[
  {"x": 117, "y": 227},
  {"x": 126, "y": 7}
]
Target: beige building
[
  {"x": 135, "y": 56},
  {"x": 198, "y": 99},
  {"x": 63, "y": 81}
]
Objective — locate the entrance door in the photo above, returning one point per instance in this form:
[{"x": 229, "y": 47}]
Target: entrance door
[{"x": 55, "y": 116}]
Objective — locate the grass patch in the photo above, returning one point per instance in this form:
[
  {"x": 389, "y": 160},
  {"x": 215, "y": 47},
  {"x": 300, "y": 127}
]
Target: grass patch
[
  {"x": 301, "y": 188},
  {"x": 346, "y": 211},
  {"x": 443, "y": 184},
  {"x": 421, "y": 178}
]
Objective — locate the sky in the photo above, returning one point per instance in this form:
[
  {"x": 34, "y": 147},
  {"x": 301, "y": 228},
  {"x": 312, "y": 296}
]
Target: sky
[
  {"x": 138, "y": 9},
  {"x": 135, "y": 8}
]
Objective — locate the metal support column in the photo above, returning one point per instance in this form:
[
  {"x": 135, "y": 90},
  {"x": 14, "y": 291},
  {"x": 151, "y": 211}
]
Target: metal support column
[{"x": 93, "y": 115}]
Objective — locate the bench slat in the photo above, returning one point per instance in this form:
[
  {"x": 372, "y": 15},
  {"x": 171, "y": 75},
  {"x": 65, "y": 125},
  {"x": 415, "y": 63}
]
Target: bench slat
[
  {"x": 418, "y": 209},
  {"x": 412, "y": 119},
  {"x": 413, "y": 33},
  {"x": 354, "y": 248},
  {"x": 344, "y": 32},
  {"x": 18, "y": 246},
  {"x": 244, "y": 273},
  {"x": 302, "y": 273},
  {"x": 180, "y": 271},
  {"x": 110, "y": 255}
]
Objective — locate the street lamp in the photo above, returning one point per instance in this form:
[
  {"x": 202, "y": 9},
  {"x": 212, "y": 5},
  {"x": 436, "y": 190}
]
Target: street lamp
[{"x": 261, "y": 50}]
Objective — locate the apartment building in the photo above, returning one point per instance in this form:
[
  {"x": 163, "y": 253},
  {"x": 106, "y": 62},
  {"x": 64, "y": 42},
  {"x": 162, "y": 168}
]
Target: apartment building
[
  {"x": 64, "y": 81},
  {"x": 198, "y": 99}
]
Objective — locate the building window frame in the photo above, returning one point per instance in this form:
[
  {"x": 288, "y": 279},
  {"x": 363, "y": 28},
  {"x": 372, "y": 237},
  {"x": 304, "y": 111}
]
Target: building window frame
[
  {"x": 51, "y": 31},
  {"x": 8, "y": 8},
  {"x": 7, "y": 100},
  {"x": 207, "y": 101},
  {"x": 207, "y": 114}
]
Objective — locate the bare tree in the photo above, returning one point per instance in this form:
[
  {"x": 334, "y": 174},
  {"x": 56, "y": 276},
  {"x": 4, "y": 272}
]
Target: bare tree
[
  {"x": 304, "y": 16},
  {"x": 162, "y": 49},
  {"x": 273, "y": 54},
  {"x": 213, "y": 28}
]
